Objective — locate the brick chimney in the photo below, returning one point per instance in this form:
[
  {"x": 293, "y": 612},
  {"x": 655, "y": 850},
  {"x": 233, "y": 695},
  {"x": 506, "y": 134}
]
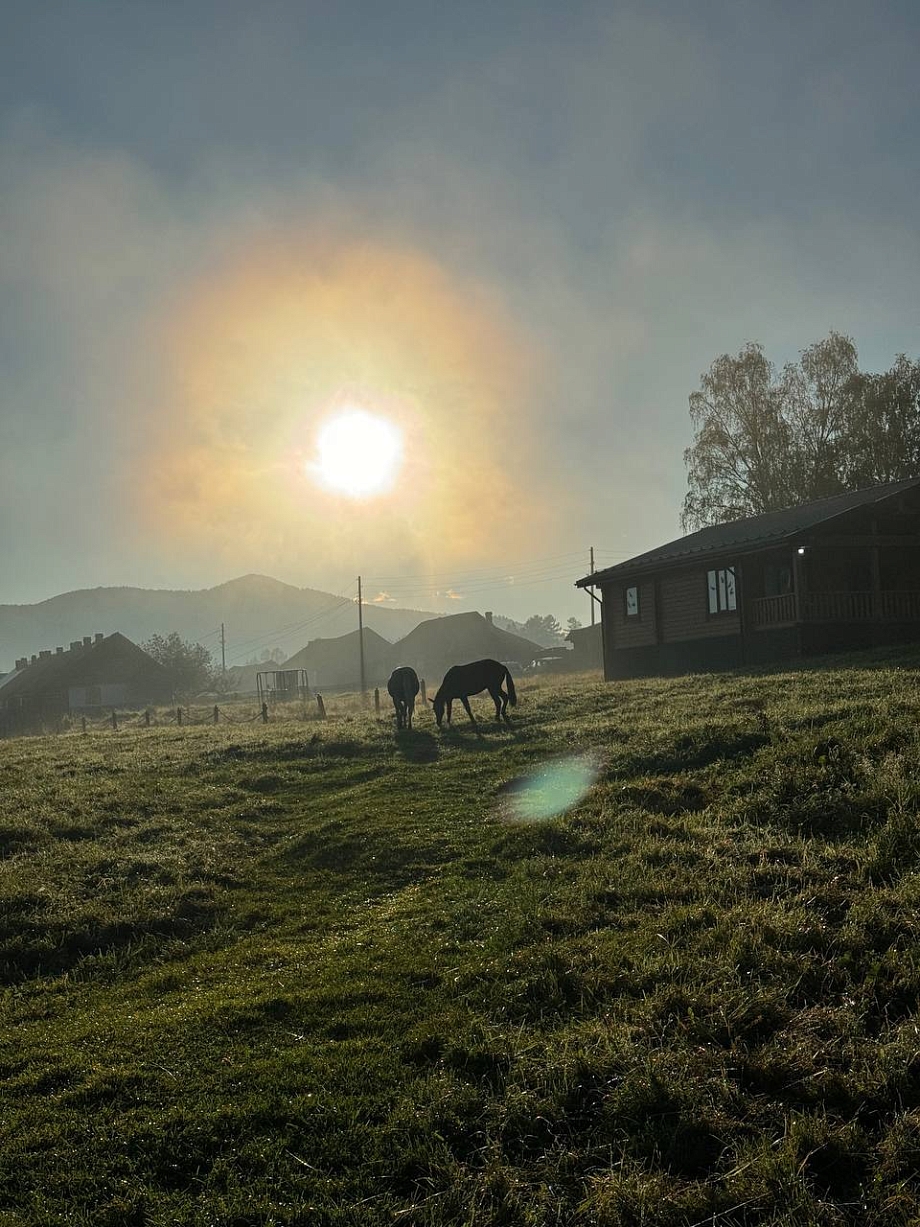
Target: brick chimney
[
  {"x": 75, "y": 644},
  {"x": 87, "y": 641},
  {"x": 45, "y": 654},
  {"x": 488, "y": 616},
  {"x": 99, "y": 637}
]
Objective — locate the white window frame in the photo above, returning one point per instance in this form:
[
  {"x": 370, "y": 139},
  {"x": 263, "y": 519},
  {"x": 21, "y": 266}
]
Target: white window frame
[{"x": 722, "y": 591}]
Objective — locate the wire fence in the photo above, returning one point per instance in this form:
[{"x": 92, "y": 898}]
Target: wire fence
[{"x": 236, "y": 712}]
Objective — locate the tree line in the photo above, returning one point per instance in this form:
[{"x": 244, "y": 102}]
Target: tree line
[{"x": 765, "y": 439}]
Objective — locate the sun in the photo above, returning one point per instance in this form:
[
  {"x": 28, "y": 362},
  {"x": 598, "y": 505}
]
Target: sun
[{"x": 358, "y": 454}]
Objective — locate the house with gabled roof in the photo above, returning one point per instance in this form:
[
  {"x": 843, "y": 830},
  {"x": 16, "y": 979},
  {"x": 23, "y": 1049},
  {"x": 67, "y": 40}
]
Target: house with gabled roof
[
  {"x": 97, "y": 673},
  {"x": 334, "y": 664},
  {"x": 837, "y": 574},
  {"x": 454, "y": 639}
]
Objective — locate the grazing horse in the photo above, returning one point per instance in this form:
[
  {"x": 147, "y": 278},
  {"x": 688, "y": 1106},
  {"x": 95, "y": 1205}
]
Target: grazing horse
[
  {"x": 460, "y": 681},
  {"x": 402, "y": 689}
]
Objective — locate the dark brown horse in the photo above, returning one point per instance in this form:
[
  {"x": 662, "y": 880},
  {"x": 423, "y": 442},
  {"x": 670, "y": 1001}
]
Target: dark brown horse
[
  {"x": 402, "y": 689},
  {"x": 460, "y": 681}
]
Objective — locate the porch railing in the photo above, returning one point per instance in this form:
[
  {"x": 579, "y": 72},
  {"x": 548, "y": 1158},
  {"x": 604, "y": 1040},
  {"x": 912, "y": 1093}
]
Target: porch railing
[
  {"x": 837, "y": 607},
  {"x": 773, "y": 610}
]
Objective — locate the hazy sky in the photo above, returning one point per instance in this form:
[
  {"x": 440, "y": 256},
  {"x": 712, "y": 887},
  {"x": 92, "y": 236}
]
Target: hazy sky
[{"x": 521, "y": 230}]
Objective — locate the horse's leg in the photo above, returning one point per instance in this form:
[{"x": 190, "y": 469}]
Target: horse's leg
[
  {"x": 497, "y": 700},
  {"x": 410, "y": 708},
  {"x": 450, "y": 705},
  {"x": 469, "y": 711}
]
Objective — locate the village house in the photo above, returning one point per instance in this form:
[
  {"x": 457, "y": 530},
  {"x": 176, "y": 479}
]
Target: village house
[
  {"x": 334, "y": 664},
  {"x": 437, "y": 643},
  {"x": 101, "y": 672},
  {"x": 837, "y": 574},
  {"x": 587, "y": 648}
]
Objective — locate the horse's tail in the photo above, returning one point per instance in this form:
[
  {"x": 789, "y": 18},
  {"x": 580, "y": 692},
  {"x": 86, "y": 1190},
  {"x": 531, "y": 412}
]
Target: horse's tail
[{"x": 512, "y": 693}]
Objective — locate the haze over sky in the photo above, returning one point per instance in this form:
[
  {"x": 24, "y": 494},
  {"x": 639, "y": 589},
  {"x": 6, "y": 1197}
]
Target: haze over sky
[{"x": 520, "y": 231}]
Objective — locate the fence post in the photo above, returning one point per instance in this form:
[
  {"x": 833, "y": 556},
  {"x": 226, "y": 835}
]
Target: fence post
[
  {"x": 114, "y": 720},
  {"x": 424, "y": 692},
  {"x": 147, "y": 717},
  {"x": 216, "y": 713},
  {"x": 179, "y": 717},
  {"x": 377, "y": 700},
  {"x": 265, "y": 713},
  {"x": 322, "y": 707}
]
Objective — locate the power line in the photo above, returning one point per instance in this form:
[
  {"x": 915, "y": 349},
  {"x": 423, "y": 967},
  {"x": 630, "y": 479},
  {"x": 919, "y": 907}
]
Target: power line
[{"x": 246, "y": 646}]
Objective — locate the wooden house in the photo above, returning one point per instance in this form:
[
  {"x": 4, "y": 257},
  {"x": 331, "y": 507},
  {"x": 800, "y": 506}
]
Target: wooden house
[
  {"x": 837, "y": 574},
  {"x": 101, "y": 673}
]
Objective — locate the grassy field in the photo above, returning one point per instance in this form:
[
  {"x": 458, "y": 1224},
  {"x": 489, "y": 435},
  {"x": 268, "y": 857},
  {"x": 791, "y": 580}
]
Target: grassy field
[{"x": 327, "y": 974}]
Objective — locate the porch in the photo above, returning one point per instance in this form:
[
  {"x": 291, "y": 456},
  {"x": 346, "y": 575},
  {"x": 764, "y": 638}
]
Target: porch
[{"x": 788, "y": 609}]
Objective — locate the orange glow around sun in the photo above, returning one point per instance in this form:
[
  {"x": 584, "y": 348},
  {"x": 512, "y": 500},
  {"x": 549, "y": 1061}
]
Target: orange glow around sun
[{"x": 320, "y": 400}]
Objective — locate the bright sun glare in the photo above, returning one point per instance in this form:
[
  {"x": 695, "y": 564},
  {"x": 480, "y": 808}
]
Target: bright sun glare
[{"x": 358, "y": 453}]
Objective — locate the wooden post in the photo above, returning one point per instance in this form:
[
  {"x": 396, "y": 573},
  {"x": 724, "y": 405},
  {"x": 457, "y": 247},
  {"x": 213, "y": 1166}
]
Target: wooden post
[
  {"x": 265, "y": 713},
  {"x": 876, "y": 569},
  {"x": 798, "y": 582},
  {"x": 361, "y": 646},
  {"x": 424, "y": 692},
  {"x": 216, "y": 713},
  {"x": 377, "y": 700},
  {"x": 179, "y": 717},
  {"x": 147, "y": 717},
  {"x": 322, "y": 707}
]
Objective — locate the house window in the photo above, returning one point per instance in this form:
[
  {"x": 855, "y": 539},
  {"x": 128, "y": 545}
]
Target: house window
[
  {"x": 721, "y": 589},
  {"x": 632, "y": 602}
]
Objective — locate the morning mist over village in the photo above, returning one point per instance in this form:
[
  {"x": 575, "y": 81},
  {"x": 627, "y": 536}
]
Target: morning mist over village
[{"x": 460, "y": 614}]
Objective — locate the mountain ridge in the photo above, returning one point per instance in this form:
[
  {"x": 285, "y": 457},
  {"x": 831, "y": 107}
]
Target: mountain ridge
[{"x": 258, "y": 611}]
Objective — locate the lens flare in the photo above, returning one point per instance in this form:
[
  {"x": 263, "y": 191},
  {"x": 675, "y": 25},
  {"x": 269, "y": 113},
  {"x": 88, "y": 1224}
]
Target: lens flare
[
  {"x": 551, "y": 789},
  {"x": 357, "y": 453}
]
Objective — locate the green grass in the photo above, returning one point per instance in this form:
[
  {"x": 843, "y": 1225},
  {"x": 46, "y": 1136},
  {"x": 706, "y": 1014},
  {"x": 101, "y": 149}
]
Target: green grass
[{"x": 312, "y": 973}]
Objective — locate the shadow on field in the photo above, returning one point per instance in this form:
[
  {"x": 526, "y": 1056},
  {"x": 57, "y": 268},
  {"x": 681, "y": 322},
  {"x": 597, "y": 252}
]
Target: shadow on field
[
  {"x": 478, "y": 736},
  {"x": 417, "y": 747}
]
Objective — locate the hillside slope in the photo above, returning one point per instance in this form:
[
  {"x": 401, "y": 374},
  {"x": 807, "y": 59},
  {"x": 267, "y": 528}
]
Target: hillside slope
[{"x": 317, "y": 972}]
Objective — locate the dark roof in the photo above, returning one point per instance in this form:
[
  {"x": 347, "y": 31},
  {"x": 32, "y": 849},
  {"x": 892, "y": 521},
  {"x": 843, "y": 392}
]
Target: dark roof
[
  {"x": 112, "y": 659},
  {"x": 342, "y": 651},
  {"x": 753, "y": 532},
  {"x": 462, "y": 637}
]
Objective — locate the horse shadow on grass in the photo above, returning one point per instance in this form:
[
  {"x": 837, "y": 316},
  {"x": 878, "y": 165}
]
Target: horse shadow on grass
[{"x": 477, "y": 736}]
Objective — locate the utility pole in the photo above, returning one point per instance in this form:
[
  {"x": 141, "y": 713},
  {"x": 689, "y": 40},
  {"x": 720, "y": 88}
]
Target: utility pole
[
  {"x": 361, "y": 640},
  {"x": 591, "y": 594},
  {"x": 223, "y": 651}
]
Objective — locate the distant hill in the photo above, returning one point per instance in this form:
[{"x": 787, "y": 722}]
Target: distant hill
[{"x": 259, "y": 612}]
